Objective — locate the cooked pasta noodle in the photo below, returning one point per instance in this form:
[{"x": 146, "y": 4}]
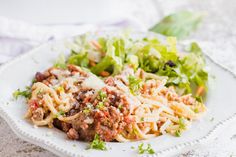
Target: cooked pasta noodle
[{"x": 74, "y": 99}]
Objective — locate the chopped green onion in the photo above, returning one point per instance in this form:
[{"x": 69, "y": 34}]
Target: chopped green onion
[
  {"x": 100, "y": 106},
  {"x": 102, "y": 95}
]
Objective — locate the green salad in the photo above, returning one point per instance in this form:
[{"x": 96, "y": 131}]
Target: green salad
[{"x": 107, "y": 56}]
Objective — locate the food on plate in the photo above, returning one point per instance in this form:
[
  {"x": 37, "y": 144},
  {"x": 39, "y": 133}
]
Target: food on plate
[{"x": 120, "y": 89}]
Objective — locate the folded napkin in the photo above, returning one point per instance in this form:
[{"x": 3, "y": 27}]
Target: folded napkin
[{"x": 17, "y": 37}]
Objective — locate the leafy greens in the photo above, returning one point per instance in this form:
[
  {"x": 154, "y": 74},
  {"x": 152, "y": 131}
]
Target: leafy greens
[
  {"x": 180, "y": 24},
  {"x": 185, "y": 71}
]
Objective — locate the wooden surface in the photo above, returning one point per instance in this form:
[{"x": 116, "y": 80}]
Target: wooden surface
[{"x": 219, "y": 28}]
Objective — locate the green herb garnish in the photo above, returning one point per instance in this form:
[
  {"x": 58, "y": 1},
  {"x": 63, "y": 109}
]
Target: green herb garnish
[
  {"x": 60, "y": 113},
  {"x": 39, "y": 93},
  {"x": 182, "y": 124},
  {"x": 24, "y": 93},
  {"x": 177, "y": 133},
  {"x": 97, "y": 143},
  {"x": 86, "y": 111},
  {"x": 100, "y": 106},
  {"x": 34, "y": 81},
  {"x": 142, "y": 119},
  {"x": 120, "y": 106},
  {"x": 89, "y": 108},
  {"x": 196, "y": 110},
  {"x": 148, "y": 149},
  {"x": 102, "y": 95},
  {"x": 134, "y": 84}
]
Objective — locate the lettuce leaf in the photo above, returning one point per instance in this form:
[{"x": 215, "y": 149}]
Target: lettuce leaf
[
  {"x": 60, "y": 62},
  {"x": 80, "y": 59},
  {"x": 114, "y": 56},
  {"x": 193, "y": 65},
  {"x": 185, "y": 71},
  {"x": 180, "y": 24}
]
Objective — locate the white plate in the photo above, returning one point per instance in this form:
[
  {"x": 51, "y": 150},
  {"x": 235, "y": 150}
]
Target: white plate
[{"x": 19, "y": 73}]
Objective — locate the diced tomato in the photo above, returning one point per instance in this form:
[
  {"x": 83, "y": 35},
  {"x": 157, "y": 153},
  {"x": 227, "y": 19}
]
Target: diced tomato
[
  {"x": 129, "y": 119},
  {"x": 33, "y": 104}
]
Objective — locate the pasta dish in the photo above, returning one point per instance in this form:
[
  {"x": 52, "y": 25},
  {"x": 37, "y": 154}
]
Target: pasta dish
[
  {"x": 81, "y": 104},
  {"x": 120, "y": 89}
]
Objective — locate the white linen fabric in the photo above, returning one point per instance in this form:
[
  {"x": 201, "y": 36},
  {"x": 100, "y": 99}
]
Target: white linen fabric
[{"x": 17, "y": 37}]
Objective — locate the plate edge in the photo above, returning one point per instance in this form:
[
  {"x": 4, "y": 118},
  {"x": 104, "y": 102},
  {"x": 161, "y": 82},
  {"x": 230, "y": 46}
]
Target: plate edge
[{"x": 53, "y": 148}]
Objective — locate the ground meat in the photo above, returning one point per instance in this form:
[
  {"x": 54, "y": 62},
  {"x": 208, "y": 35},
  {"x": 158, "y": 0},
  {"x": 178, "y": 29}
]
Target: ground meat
[
  {"x": 118, "y": 100},
  {"x": 48, "y": 78},
  {"x": 85, "y": 95},
  {"x": 108, "y": 124},
  {"x": 53, "y": 74},
  {"x": 39, "y": 77},
  {"x": 38, "y": 114},
  {"x": 65, "y": 126},
  {"x": 80, "y": 123},
  {"x": 61, "y": 125},
  {"x": 57, "y": 123},
  {"x": 88, "y": 134},
  {"x": 72, "y": 112},
  {"x": 108, "y": 121},
  {"x": 72, "y": 134},
  {"x": 85, "y": 130}
]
